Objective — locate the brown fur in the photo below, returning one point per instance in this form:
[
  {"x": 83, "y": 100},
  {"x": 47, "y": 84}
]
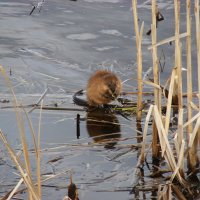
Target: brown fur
[{"x": 103, "y": 87}]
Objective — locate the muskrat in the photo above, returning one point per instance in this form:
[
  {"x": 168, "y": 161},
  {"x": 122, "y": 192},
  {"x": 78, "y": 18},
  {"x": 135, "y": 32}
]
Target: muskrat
[{"x": 102, "y": 88}]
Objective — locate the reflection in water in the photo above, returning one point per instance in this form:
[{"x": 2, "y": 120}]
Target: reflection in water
[
  {"x": 139, "y": 132},
  {"x": 103, "y": 127}
]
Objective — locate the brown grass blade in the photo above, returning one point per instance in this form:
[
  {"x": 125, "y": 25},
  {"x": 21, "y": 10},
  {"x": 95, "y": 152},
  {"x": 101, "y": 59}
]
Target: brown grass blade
[
  {"x": 20, "y": 123},
  {"x": 15, "y": 189},
  {"x": 154, "y": 85},
  {"x": 25, "y": 176},
  {"x": 39, "y": 155},
  {"x": 180, "y": 130},
  {"x": 165, "y": 192},
  {"x": 180, "y": 161},
  {"x": 178, "y": 193},
  {"x": 32, "y": 132},
  {"x": 145, "y": 134},
  {"x": 191, "y": 120},
  {"x": 169, "y": 101},
  {"x": 194, "y": 133},
  {"x": 165, "y": 146},
  {"x": 170, "y": 39}
]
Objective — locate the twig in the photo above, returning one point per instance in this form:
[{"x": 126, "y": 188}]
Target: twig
[
  {"x": 39, "y": 100},
  {"x": 24, "y": 189},
  {"x": 170, "y": 39},
  {"x": 44, "y": 108}
]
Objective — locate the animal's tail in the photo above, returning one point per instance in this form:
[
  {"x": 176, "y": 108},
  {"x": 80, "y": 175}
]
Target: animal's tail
[{"x": 78, "y": 101}]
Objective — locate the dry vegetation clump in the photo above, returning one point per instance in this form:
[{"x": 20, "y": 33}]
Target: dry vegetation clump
[{"x": 184, "y": 147}]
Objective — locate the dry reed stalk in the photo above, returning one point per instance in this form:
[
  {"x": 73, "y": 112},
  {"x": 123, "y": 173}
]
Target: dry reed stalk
[
  {"x": 165, "y": 146},
  {"x": 178, "y": 64},
  {"x": 136, "y": 175},
  {"x": 165, "y": 193},
  {"x": 167, "y": 40},
  {"x": 196, "y": 11},
  {"x": 198, "y": 50},
  {"x": 36, "y": 147},
  {"x": 189, "y": 65},
  {"x": 169, "y": 104},
  {"x": 194, "y": 133},
  {"x": 178, "y": 150},
  {"x": 38, "y": 160},
  {"x": 15, "y": 189},
  {"x": 180, "y": 161},
  {"x": 178, "y": 52},
  {"x": 191, "y": 120},
  {"x": 194, "y": 106},
  {"x": 169, "y": 101},
  {"x": 178, "y": 193},
  {"x": 193, "y": 160},
  {"x": 156, "y": 86},
  {"x": 44, "y": 180},
  {"x": 180, "y": 130},
  {"x": 32, "y": 132},
  {"x": 21, "y": 128},
  {"x": 157, "y": 92},
  {"x": 192, "y": 154},
  {"x": 146, "y": 124},
  {"x": 25, "y": 176},
  {"x": 139, "y": 58},
  {"x": 39, "y": 100},
  {"x": 157, "y": 95}
]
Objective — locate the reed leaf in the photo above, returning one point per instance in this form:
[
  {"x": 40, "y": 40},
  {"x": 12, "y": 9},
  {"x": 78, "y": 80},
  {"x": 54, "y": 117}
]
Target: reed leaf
[
  {"x": 167, "y": 40},
  {"x": 145, "y": 134},
  {"x": 194, "y": 133},
  {"x": 165, "y": 146},
  {"x": 15, "y": 189},
  {"x": 20, "y": 125},
  {"x": 169, "y": 101},
  {"x": 24, "y": 175},
  {"x": 180, "y": 161}
]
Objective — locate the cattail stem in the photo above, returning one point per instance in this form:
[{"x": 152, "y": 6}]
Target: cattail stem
[
  {"x": 157, "y": 92},
  {"x": 138, "y": 34}
]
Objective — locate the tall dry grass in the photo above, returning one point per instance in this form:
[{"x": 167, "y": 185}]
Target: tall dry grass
[
  {"x": 24, "y": 168},
  {"x": 175, "y": 152}
]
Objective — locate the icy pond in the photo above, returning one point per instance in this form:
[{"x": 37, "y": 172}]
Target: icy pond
[{"x": 59, "y": 47}]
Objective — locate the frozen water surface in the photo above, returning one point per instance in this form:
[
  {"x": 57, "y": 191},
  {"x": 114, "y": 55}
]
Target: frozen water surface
[{"x": 58, "y": 48}]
